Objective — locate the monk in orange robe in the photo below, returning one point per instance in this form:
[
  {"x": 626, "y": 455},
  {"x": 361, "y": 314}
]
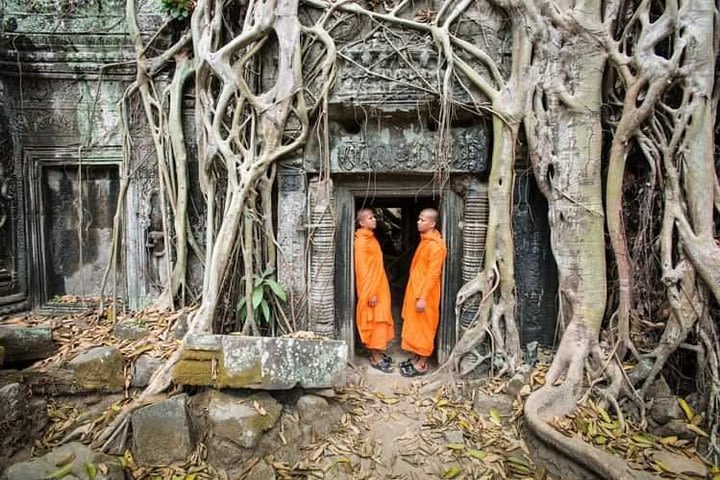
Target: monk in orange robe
[
  {"x": 421, "y": 305},
  {"x": 373, "y": 315}
]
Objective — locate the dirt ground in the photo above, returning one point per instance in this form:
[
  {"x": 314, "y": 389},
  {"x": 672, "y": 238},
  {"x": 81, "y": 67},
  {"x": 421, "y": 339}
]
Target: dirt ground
[{"x": 396, "y": 430}]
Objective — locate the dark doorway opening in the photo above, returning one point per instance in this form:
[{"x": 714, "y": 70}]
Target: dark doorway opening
[{"x": 398, "y": 237}]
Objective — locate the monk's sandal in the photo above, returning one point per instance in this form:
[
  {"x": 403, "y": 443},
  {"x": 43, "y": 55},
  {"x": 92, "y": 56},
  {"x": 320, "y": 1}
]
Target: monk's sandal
[
  {"x": 409, "y": 370},
  {"x": 383, "y": 365}
]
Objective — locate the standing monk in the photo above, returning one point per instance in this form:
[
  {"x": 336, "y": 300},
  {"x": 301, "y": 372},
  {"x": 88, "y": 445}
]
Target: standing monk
[
  {"x": 421, "y": 306},
  {"x": 373, "y": 316}
]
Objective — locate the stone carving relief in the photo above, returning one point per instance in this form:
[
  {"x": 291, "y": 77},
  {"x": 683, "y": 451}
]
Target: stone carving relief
[
  {"x": 13, "y": 286},
  {"x": 403, "y": 148},
  {"x": 374, "y": 71}
]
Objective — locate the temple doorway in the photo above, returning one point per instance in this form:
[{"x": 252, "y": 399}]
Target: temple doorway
[
  {"x": 397, "y": 204},
  {"x": 398, "y": 237}
]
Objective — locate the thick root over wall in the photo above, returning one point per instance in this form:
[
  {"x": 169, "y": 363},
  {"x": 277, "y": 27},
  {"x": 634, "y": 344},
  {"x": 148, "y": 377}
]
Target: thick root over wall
[{"x": 558, "y": 397}]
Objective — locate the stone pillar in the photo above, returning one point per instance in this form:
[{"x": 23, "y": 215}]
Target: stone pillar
[
  {"x": 474, "y": 228},
  {"x": 292, "y": 239},
  {"x": 321, "y": 231}
]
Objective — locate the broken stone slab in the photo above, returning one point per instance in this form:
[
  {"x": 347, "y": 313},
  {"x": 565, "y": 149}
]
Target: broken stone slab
[
  {"x": 50, "y": 381},
  {"x": 99, "y": 368},
  {"x": 484, "y": 403},
  {"x": 677, "y": 428},
  {"x": 269, "y": 363},
  {"x": 71, "y": 459},
  {"x": 129, "y": 330},
  {"x": 25, "y": 344},
  {"x": 162, "y": 433},
  {"x": 143, "y": 369},
  {"x": 241, "y": 418},
  {"x": 666, "y": 409}
]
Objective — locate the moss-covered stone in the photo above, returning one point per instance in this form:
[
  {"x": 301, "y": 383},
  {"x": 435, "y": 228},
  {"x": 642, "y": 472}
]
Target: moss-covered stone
[
  {"x": 193, "y": 372},
  {"x": 241, "y": 418}
]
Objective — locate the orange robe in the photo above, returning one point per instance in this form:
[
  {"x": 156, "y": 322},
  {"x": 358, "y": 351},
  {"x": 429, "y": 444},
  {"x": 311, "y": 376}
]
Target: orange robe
[
  {"x": 418, "y": 332},
  {"x": 375, "y": 324}
]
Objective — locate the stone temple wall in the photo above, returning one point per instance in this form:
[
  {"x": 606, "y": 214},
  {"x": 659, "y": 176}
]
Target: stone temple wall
[{"x": 63, "y": 69}]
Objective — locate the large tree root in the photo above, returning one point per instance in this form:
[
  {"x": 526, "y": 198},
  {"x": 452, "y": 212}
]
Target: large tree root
[{"x": 555, "y": 400}]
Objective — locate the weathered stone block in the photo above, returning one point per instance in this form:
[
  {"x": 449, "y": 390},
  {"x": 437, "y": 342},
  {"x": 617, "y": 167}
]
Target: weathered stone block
[
  {"x": 484, "y": 403},
  {"x": 241, "y": 418},
  {"x": 23, "y": 344},
  {"x": 317, "y": 415},
  {"x": 311, "y": 406},
  {"x": 20, "y": 419},
  {"x": 229, "y": 361},
  {"x": 80, "y": 456},
  {"x": 262, "y": 471},
  {"x": 665, "y": 409},
  {"x": 100, "y": 367},
  {"x": 162, "y": 433},
  {"x": 129, "y": 330},
  {"x": 676, "y": 428},
  {"x": 143, "y": 369}
]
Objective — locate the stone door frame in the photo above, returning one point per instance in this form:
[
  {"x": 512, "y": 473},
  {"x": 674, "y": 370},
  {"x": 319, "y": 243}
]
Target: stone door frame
[
  {"x": 37, "y": 159},
  {"x": 451, "y": 208}
]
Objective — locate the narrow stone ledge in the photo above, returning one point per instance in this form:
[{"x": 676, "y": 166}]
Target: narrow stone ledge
[{"x": 268, "y": 363}]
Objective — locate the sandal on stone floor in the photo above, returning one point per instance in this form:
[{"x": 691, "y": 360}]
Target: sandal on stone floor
[
  {"x": 410, "y": 371},
  {"x": 383, "y": 365},
  {"x": 387, "y": 357}
]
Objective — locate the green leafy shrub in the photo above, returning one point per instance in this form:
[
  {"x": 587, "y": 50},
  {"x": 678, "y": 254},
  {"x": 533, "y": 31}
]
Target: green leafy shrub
[{"x": 265, "y": 287}]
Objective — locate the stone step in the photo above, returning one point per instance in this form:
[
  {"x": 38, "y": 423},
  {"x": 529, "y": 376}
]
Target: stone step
[{"x": 268, "y": 363}]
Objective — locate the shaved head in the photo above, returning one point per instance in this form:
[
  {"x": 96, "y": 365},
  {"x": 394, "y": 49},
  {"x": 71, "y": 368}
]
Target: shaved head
[
  {"x": 431, "y": 213},
  {"x": 427, "y": 220},
  {"x": 362, "y": 213}
]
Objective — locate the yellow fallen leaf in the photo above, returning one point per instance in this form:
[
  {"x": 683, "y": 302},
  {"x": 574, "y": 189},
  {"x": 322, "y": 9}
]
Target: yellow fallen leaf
[
  {"x": 696, "y": 429},
  {"x": 686, "y": 408},
  {"x": 604, "y": 414},
  {"x": 495, "y": 416},
  {"x": 642, "y": 439},
  {"x": 452, "y": 472},
  {"x": 479, "y": 454},
  {"x": 455, "y": 446},
  {"x": 669, "y": 440}
]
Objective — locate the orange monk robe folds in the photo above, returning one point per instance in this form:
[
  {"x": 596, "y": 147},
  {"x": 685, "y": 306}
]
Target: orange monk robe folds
[
  {"x": 375, "y": 324},
  {"x": 418, "y": 333}
]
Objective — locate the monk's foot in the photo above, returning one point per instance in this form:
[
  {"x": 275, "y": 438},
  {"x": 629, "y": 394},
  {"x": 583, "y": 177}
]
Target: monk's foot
[
  {"x": 383, "y": 365},
  {"x": 409, "y": 361},
  {"x": 411, "y": 370}
]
